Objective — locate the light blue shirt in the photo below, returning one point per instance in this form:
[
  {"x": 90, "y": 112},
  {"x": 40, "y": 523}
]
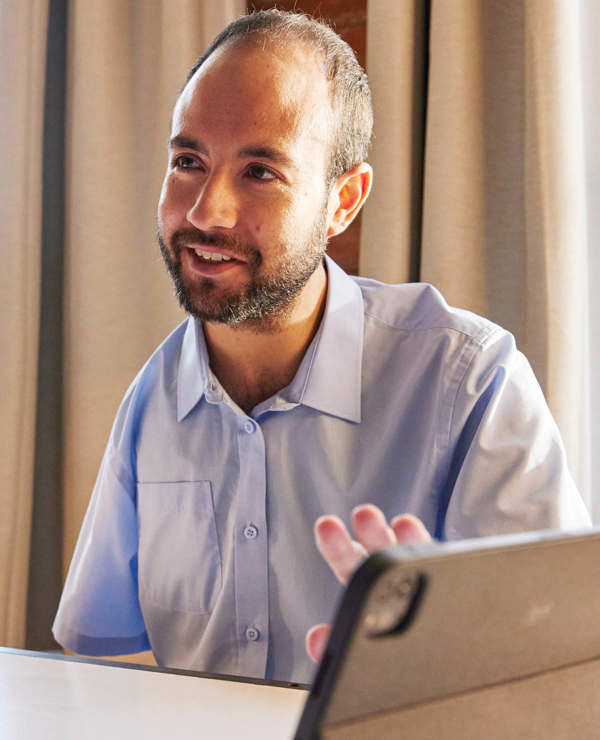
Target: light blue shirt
[{"x": 198, "y": 540}]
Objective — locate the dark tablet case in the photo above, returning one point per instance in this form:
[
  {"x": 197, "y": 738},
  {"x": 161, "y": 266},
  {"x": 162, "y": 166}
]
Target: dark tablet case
[{"x": 495, "y": 638}]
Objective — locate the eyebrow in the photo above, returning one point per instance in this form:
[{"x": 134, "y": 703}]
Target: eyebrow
[
  {"x": 266, "y": 152},
  {"x": 186, "y": 142}
]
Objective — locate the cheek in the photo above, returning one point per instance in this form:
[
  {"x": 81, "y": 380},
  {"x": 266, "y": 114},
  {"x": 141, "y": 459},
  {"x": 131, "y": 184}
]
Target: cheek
[
  {"x": 308, "y": 209},
  {"x": 271, "y": 218}
]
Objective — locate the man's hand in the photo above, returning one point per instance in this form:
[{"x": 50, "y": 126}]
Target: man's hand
[{"x": 344, "y": 555}]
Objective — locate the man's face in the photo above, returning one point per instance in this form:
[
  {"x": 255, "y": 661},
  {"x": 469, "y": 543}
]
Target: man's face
[{"x": 242, "y": 217}]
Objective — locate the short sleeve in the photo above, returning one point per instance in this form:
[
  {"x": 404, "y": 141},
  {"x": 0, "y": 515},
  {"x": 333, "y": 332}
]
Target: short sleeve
[
  {"x": 508, "y": 471},
  {"x": 99, "y": 611}
]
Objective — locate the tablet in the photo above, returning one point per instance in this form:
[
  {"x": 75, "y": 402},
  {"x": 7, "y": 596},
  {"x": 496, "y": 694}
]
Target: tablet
[{"x": 426, "y": 633}]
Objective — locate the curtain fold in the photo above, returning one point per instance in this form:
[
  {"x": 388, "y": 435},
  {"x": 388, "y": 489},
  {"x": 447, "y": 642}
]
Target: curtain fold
[
  {"x": 45, "y": 553},
  {"x": 22, "y": 38},
  {"x": 503, "y": 216},
  {"x": 589, "y": 28}
]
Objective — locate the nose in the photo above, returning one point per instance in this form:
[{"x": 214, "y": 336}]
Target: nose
[{"x": 216, "y": 206}]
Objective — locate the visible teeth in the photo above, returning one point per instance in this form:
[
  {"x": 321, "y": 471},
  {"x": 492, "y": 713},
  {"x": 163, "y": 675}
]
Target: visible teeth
[{"x": 212, "y": 256}]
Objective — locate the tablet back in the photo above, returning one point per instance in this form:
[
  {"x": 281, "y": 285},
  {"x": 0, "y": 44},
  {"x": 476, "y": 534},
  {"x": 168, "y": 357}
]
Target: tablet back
[{"x": 431, "y": 639}]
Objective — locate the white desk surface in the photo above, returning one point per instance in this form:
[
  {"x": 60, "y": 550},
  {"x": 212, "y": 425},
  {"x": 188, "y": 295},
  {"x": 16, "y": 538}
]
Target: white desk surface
[{"x": 52, "y": 699}]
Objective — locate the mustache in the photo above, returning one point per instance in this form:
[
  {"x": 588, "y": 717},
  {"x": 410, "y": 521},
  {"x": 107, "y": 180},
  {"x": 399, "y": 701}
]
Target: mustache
[{"x": 190, "y": 237}]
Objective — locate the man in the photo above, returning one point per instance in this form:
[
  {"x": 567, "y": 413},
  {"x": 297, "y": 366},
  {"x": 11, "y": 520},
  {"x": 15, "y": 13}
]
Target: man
[{"x": 293, "y": 393}]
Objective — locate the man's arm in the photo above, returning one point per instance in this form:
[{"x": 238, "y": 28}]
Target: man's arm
[{"x": 99, "y": 612}]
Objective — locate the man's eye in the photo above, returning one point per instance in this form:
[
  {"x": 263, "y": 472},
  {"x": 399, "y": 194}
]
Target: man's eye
[
  {"x": 258, "y": 172},
  {"x": 184, "y": 162}
]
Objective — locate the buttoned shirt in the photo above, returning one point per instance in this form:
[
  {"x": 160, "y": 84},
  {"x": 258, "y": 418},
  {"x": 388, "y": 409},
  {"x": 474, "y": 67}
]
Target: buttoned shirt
[{"x": 198, "y": 540}]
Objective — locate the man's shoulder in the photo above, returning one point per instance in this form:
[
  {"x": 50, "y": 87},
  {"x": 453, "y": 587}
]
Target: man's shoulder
[
  {"x": 157, "y": 374},
  {"x": 420, "y": 308}
]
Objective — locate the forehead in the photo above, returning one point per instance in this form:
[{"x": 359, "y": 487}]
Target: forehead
[{"x": 249, "y": 90}]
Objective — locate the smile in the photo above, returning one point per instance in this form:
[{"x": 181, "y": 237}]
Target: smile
[
  {"x": 205, "y": 263},
  {"x": 212, "y": 256}
]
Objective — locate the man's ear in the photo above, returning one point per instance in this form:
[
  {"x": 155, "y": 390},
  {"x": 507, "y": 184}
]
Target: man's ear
[{"x": 347, "y": 197}]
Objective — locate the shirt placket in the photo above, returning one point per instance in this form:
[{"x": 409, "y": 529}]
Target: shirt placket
[{"x": 251, "y": 552}]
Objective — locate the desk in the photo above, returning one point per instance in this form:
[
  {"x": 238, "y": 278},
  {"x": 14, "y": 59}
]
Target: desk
[{"x": 45, "y": 697}]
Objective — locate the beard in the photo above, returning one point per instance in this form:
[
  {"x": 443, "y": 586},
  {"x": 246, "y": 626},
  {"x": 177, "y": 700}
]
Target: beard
[{"x": 266, "y": 298}]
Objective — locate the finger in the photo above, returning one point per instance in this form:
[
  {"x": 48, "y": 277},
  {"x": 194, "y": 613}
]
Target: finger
[
  {"x": 341, "y": 552},
  {"x": 316, "y": 641},
  {"x": 371, "y": 528},
  {"x": 408, "y": 528}
]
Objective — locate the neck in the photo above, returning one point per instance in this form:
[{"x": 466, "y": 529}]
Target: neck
[{"x": 253, "y": 362}]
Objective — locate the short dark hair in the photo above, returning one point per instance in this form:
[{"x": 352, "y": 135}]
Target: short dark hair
[{"x": 348, "y": 85}]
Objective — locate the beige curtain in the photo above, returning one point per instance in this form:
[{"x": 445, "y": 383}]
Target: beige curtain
[
  {"x": 500, "y": 187},
  {"x": 391, "y": 220},
  {"x": 22, "y": 38},
  {"x": 126, "y": 63}
]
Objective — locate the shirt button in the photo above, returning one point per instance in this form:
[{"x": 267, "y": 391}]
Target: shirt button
[
  {"x": 249, "y": 427},
  {"x": 250, "y": 532},
  {"x": 252, "y": 634}
]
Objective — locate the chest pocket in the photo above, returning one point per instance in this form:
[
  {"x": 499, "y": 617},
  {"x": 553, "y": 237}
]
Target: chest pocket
[{"x": 179, "y": 564}]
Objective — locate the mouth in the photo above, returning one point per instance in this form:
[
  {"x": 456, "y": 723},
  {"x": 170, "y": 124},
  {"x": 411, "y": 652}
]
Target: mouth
[{"x": 208, "y": 262}]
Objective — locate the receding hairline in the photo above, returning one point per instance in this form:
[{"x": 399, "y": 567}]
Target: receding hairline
[{"x": 280, "y": 42}]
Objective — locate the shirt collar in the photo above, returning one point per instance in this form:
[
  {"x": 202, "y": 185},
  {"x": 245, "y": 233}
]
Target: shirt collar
[
  {"x": 329, "y": 379},
  {"x": 332, "y": 382},
  {"x": 193, "y": 375}
]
